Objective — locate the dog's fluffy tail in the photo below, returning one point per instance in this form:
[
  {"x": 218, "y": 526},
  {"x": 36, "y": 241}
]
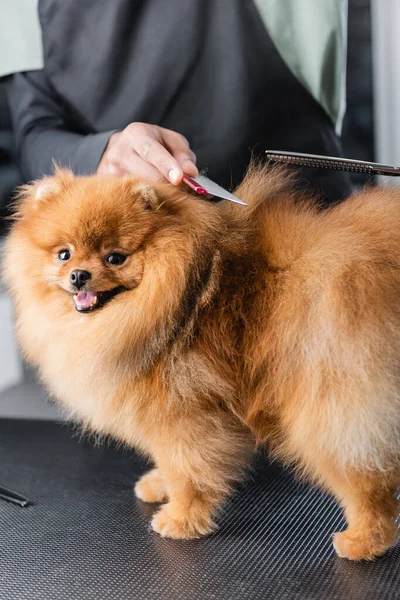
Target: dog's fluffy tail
[{"x": 280, "y": 211}]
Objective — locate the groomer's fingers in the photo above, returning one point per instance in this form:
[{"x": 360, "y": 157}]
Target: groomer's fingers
[
  {"x": 151, "y": 151},
  {"x": 179, "y": 147},
  {"x": 132, "y": 163},
  {"x": 120, "y": 159},
  {"x": 148, "y": 151},
  {"x": 154, "y": 145}
]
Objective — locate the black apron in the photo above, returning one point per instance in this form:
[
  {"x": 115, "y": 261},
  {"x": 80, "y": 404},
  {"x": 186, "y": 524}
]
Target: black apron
[{"x": 205, "y": 68}]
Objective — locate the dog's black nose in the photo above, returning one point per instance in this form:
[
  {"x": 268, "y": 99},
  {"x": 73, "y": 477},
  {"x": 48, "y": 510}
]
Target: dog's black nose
[{"x": 78, "y": 278}]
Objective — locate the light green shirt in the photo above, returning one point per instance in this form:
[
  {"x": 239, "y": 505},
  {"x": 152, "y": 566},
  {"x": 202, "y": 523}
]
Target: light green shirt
[
  {"x": 310, "y": 36},
  {"x": 20, "y": 37}
]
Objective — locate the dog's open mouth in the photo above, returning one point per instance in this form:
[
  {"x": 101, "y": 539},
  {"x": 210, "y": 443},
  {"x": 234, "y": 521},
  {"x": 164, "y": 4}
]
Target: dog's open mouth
[{"x": 89, "y": 301}]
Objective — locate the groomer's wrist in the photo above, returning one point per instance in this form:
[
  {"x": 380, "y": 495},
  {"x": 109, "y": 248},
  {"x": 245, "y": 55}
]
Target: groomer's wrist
[{"x": 103, "y": 167}]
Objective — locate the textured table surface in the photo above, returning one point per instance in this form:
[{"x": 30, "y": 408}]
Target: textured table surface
[{"x": 87, "y": 537}]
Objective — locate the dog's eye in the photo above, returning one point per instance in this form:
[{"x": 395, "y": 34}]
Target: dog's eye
[
  {"x": 115, "y": 258},
  {"x": 64, "y": 255}
]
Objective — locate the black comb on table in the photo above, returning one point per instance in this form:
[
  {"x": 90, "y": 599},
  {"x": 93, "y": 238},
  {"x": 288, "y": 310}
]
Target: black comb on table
[{"x": 331, "y": 162}]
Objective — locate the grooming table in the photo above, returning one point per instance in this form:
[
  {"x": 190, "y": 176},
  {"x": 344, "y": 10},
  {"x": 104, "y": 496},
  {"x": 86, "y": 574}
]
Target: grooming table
[{"x": 87, "y": 537}]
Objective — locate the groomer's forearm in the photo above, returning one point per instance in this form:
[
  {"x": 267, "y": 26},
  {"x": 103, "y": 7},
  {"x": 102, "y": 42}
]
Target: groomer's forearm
[
  {"x": 43, "y": 135},
  {"x": 41, "y": 148}
]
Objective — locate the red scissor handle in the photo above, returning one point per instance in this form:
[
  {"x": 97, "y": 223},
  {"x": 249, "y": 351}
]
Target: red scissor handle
[{"x": 192, "y": 183}]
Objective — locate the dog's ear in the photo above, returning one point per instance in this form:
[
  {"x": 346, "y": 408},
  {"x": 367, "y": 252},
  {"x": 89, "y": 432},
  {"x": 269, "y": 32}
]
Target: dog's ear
[
  {"x": 147, "y": 195},
  {"x": 48, "y": 187},
  {"x": 32, "y": 195}
]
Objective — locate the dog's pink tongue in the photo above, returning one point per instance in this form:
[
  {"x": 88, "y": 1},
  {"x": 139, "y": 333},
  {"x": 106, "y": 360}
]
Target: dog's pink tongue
[{"x": 85, "y": 298}]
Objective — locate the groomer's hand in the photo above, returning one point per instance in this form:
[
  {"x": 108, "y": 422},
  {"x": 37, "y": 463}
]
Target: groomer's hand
[{"x": 148, "y": 151}]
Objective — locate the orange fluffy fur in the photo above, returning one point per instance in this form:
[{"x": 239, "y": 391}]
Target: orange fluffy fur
[{"x": 275, "y": 324}]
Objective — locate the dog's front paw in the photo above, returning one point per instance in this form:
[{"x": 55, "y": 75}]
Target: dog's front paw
[
  {"x": 355, "y": 546},
  {"x": 151, "y": 487},
  {"x": 172, "y": 523}
]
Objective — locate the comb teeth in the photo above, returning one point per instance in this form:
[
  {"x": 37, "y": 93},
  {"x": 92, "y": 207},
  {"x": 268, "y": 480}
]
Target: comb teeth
[{"x": 335, "y": 165}]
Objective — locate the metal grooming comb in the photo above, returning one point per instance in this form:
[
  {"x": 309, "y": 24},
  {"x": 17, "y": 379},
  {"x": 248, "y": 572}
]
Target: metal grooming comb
[{"x": 332, "y": 162}]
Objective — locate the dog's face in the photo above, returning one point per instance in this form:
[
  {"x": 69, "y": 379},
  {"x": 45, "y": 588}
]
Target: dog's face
[
  {"x": 96, "y": 271},
  {"x": 87, "y": 235}
]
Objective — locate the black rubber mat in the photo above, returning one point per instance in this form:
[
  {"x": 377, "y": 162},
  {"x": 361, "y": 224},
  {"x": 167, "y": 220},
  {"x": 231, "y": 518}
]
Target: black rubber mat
[{"x": 87, "y": 537}]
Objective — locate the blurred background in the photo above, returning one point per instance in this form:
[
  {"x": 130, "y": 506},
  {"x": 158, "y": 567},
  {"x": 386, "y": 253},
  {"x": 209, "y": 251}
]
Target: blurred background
[{"x": 369, "y": 133}]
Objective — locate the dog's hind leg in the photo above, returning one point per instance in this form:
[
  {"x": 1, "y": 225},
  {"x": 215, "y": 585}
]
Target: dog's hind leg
[{"x": 371, "y": 508}]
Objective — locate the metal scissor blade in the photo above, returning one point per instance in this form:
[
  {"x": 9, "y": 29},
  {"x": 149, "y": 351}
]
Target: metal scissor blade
[{"x": 212, "y": 188}]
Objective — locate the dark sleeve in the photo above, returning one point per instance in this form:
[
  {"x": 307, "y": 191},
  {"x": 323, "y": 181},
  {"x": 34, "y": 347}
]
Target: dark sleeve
[{"x": 43, "y": 132}]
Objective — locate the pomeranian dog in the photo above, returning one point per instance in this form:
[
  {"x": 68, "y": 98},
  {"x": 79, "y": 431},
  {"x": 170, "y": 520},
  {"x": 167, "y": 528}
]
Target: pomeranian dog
[{"x": 197, "y": 331}]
